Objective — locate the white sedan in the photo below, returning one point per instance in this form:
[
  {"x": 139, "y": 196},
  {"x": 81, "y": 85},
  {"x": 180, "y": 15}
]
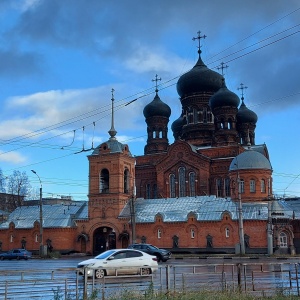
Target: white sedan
[{"x": 119, "y": 262}]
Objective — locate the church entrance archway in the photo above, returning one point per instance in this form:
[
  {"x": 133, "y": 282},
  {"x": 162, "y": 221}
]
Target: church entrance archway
[{"x": 104, "y": 238}]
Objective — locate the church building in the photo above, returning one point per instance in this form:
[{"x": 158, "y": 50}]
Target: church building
[{"x": 210, "y": 191}]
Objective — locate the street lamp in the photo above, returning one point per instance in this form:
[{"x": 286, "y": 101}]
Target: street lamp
[{"x": 41, "y": 215}]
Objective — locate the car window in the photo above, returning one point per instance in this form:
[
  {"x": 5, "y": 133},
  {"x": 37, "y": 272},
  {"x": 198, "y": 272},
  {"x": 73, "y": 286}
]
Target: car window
[
  {"x": 134, "y": 254},
  {"x": 105, "y": 254},
  {"x": 153, "y": 247},
  {"x": 120, "y": 255}
]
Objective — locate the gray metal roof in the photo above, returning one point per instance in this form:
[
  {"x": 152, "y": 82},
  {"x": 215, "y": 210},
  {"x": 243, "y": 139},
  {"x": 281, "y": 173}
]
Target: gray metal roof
[
  {"x": 58, "y": 215},
  {"x": 113, "y": 145},
  {"x": 250, "y": 159},
  {"x": 205, "y": 208},
  {"x": 286, "y": 209}
]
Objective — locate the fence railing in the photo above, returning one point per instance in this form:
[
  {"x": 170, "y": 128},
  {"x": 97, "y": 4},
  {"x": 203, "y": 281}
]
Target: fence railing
[{"x": 263, "y": 279}]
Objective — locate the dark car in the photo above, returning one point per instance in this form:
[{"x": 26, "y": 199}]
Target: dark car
[
  {"x": 16, "y": 254},
  {"x": 161, "y": 254}
]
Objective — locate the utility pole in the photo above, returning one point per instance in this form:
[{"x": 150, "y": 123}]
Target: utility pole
[
  {"x": 241, "y": 223},
  {"x": 132, "y": 219},
  {"x": 269, "y": 230},
  {"x": 41, "y": 215}
]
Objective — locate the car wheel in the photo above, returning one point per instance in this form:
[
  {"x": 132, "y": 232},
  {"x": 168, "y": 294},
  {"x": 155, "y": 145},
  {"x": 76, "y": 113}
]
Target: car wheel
[
  {"x": 99, "y": 273},
  {"x": 18, "y": 257},
  {"x": 2, "y": 258},
  {"x": 164, "y": 260},
  {"x": 145, "y": 271}
]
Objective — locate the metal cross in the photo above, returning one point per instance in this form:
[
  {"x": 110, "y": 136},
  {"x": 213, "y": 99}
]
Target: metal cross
[
  {"x": 242, "y": 88},
  {"x": 222, "y": 67},
  {"x": 199, "y": 37},
  {"x": 156, "y": 80},
  {"x": 112, "y": 94}
]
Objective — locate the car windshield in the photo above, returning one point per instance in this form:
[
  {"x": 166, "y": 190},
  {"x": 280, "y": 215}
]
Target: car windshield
[{"x": 105, "y": 254}]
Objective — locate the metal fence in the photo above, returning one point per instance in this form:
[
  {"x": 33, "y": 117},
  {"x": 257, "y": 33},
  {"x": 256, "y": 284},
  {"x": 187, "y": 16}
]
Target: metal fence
[{"x": 263, "y": 279}]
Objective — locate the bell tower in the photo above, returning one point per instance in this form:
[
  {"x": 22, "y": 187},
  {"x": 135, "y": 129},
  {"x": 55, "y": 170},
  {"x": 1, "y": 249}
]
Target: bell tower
[{"x": 111, "y": 183}]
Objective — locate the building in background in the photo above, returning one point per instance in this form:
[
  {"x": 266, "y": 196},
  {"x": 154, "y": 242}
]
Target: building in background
[{"x": 208, "y": 192}]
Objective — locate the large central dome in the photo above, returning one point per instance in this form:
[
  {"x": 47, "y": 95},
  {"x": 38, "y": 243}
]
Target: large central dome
[{"x": 199, "y": 79}]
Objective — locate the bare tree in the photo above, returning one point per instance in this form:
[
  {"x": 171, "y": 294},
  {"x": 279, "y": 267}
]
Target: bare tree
[
  {"x": 18, "y": 186},
  {"x": 2, "y": 182}
]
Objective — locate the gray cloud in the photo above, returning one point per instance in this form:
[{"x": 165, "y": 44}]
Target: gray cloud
[
  {"x": 117, "y": 31},
  {"x": 19, "y": 64}
]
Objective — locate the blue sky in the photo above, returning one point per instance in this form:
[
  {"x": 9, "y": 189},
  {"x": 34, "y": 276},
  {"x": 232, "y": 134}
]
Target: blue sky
[{"x": 59, "y": 60}]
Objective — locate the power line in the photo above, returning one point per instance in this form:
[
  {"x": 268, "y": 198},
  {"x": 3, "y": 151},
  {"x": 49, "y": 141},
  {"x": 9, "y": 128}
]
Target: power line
[{"x": 141, "y": 95}]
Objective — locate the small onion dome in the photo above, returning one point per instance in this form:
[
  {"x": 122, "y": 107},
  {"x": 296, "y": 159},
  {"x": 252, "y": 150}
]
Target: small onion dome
[
  {"x": 245, "y": 115},
  {"x": 199, "y": 79},
  {"x": 224, "y": 97},
  {"x": 157, "y": 108},
  {"x": 250, "y": 159},
  {"x": 177, "y": 124}
]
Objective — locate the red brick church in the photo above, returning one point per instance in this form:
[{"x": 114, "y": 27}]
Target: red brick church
[{"x": 208, "y": 192}]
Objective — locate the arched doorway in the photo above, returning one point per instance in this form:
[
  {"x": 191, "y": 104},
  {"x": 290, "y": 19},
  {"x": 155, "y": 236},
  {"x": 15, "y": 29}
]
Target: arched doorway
[
  {"x": 124, "y": 238},
  {"x": 83, "y": 238},
  {"x": 104, "y": 238}
]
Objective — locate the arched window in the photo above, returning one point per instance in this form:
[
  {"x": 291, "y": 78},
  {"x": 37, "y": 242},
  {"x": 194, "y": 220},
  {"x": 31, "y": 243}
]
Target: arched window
[
  {"x": 204, "y": 115},
  {"x": 159, "y": 233},
  {"x": 195, "y": 116},
  {"x": 263, "y": 186},
  {"x": 148, "y": 191},
  {"x": 200, "y": 115},
  {"x": 283, "y": 240},
  {"x": 219, "y": 187},
  {"x": 181, "y": 174},
  {"x": 210, "y": 118},
  {"x": 227, "y": 187},
  {"x": 126, "y": 181},
  {"x": 192, "y": 233},
  {"x": 190, "y": 116},
  {"x": 154, "y": 191},
  {"x": 172, "y": 186},
  {"x": 104, "y": 181},
  {"x": 241, "y": 186},
  {"x": 227, "y": 232},
  {"x": 192, "y": 184},
  {"x": 252, "y": 186}
]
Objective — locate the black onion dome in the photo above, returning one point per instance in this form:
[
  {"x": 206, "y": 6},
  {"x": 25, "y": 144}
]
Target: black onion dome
[
  {"x": 177, "y": 124},
  {"x": 224, "y": 97},
  {"x": 157, "y": 108},
  {"x": 245, "y": 115},
  {"x": 199, "y": 79}
]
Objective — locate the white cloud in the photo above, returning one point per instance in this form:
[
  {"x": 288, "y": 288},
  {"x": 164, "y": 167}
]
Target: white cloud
[
  {"x": 12, "y": 157},
  {"x": 60, "y": 113},
  {"x": 145, "y": 60}
]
